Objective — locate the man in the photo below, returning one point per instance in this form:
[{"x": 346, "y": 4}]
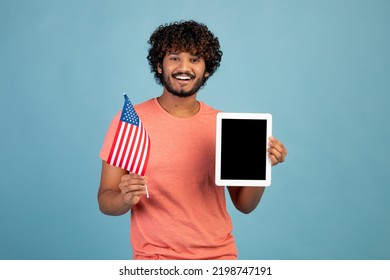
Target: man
[{"x": 185, "y": 216}]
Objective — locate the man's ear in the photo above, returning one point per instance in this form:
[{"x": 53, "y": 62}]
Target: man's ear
[
  {"x": 159, "y": 68},
  {"x": 206, "y": 74}
]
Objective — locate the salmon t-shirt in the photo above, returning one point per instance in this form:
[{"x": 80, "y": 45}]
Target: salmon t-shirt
[{"x": 185, "y": 216}]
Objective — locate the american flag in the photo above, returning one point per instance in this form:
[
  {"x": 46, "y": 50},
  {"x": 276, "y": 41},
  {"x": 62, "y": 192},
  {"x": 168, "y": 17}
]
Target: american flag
[{"x": 131, "y": 146}]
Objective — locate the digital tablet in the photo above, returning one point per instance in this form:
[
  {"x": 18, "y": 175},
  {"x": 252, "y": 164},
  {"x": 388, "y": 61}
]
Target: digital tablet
[{"x": 241, "y": 149}]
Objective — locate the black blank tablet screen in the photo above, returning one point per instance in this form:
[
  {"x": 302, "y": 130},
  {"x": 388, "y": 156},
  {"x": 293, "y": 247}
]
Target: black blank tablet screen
[{"x": 243, "y": 149}]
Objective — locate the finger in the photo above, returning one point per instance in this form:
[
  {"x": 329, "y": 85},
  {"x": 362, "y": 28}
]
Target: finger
[
  {"x": 139, "y": 192},
  {"x": 279, "y": 147},
  {"x": 125, "y": 189},
  {"x": 273, "y": 142},
  {"x": 273, "y": 159},
  {"x": 134, "y": 197},
  {"x": 132, "y": 179},
  {"x": 130, "y": 184},
  {"x": 276, "y": 154}
]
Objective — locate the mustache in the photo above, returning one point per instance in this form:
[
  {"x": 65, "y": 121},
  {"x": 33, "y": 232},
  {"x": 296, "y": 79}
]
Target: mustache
[{"x": 192, "y": 76}]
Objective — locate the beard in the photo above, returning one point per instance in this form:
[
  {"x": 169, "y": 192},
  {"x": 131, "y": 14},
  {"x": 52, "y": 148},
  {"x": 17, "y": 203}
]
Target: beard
[{"x": 182, "y": 92}]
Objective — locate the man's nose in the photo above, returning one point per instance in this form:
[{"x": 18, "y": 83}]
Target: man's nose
[{"x": 184, "y": 64}]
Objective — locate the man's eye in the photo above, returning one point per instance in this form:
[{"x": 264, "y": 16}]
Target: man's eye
[{"x": 195, "y": 60}]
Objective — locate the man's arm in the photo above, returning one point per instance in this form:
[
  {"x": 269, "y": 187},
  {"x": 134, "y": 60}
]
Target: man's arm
[
  {"x": 118, "y": 190},
  {"x": 246, "y": 199}
]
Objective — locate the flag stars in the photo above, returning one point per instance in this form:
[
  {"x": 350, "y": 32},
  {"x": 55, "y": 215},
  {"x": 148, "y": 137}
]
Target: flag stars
[{"x": 128, "y": 114}]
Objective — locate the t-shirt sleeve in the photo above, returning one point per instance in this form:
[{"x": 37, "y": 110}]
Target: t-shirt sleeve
[{"x": 110, "y": 135}]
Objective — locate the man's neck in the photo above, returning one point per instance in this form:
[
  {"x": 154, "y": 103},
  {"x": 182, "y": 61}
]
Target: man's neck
[{"x": 181, "y": 107}]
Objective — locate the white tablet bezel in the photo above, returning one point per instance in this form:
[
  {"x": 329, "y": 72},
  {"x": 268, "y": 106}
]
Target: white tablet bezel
[{"x": 239, "y": 182}]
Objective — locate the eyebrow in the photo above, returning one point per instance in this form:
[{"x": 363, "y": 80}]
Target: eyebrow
[{"x": 177, "y": 52}]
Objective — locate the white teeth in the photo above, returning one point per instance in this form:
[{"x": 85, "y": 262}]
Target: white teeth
[{"x": 183, "y": 77}]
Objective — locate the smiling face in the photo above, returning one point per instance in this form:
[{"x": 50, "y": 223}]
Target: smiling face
[{"x": 183, "y": 73}]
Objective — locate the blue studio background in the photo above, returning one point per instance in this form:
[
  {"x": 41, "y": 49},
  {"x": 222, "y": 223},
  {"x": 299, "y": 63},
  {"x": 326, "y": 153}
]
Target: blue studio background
[{"x": 320, "y": 67}]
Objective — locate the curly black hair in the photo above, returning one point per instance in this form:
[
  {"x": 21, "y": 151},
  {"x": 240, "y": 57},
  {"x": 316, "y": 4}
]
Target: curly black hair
[{"x": 184, "y": 36}]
